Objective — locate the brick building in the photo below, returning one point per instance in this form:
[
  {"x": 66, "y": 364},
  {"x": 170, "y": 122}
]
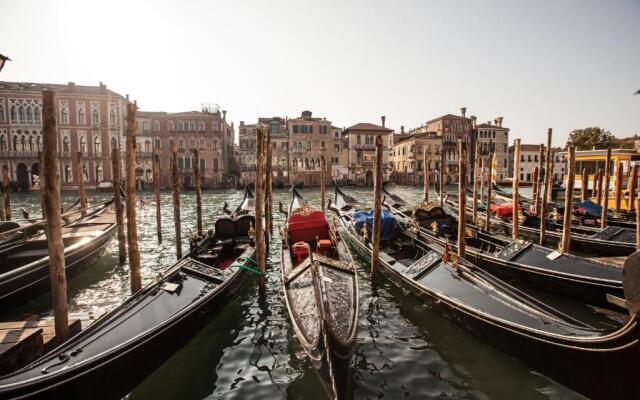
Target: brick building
[
  {"x": 90, "y": 120},
  {"x": 360, "y": 141},
  {"x": 407, "y": 157}
]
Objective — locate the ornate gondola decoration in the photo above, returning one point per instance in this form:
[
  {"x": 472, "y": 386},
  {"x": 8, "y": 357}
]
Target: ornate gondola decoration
[
  {"x": 566, "y": 349},
  {"x": 321, "y": 293},
  {"x": 128, "y": 343}
]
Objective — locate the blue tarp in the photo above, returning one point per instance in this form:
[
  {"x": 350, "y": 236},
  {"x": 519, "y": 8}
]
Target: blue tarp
[
  {"x": 387, "y": 223},
  {"x": 589, "y": 207}
]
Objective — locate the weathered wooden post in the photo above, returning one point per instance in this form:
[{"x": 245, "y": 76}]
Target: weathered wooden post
[
  {"x": 132, "y": 225},
  {"x": 80, "y": 178},
  {"x": 260, "y": 242},
  {"x": 600, "y": 179},
  {"x": 584, "y": 180},
  {"x": 483, "y": 178},
  {"x": 117, "y": 202},
  {"x": 487, "y": 221},
  {"x": 425, "y": 176},
  {"x": 638, "y": 224},
  {"x": 605, "y": 190},
  {"x": 568, "y": 204},
  {"x": 156, "y": 184},
  {"x": 176, "y": 200},
  {"x": 618, "y": 187},
  {"x": 462, "y": 197},
  {"x": 5, "y": 190},
  {"x": 534, "y": 187},
  {"x": 196, "y": 173},
  {"x": 515, "y": 214},
  {"x": 322, "y": 182},
  {"x": 441, "y": 181},
  {"x": 377, "y": 207},
  {"x": 540, "y": 181},
  {"x": 633, "y": 181},
  {"x": 41, "y": 182},
  {"x": 51, "y": 180},
  {"x": 476, "y": 167},
  {"x": 547, "y": 187},
  {"x": 550, "y": 181},
  {"x": 268, "y": 184}
]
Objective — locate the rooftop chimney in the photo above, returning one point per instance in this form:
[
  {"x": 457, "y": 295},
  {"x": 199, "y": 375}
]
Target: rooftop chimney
[
  {"x": 126, "y": 97},
  {"x": 499, "y": 120},
  {"x": 402, "y": 129},
  {"x": 306, "y": 114},
  {"x": 383, "y": 119},
  {"x": 72, "y": 86},
  {"x": 224, "y": 115},
  {"x": 463, "y": 111},
  {"x": 103, "y": 87},
  {"x": 473, "y": 121}
]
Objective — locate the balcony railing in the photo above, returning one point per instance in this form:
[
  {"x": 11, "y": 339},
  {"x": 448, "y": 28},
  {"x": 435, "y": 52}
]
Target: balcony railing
[
  {"x": 19, "y": 154},
  {"x": 365, "y": 146}
]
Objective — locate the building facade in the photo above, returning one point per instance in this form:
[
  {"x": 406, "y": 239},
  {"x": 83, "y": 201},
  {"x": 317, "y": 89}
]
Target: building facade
[
  {"x": 360, "y": 140},
  {"x": 207, "y": 131},
  {"x": 407, "y": 157},
  {"x": 452, "y": 129},
  {"x": 310, "y": 139},
  {"x": 530, "y": 159},
  {"x": 90, "y": 120},
  {"x": 495, "y": 138}
]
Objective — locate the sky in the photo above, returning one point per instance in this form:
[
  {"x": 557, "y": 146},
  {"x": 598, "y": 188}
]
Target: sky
[{"x": 539, "y": 64}]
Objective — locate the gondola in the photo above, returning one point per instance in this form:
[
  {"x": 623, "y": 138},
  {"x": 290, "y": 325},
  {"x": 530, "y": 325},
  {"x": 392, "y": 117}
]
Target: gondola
[
  {"x": 24, "y": 271},
  {"x": 321, "y": 293},
  {"x": 123, "y": 346},
  {"x": 600, "y": 364},
  {"x": 571, "y": 276},
  {"x": 611, "y": 241}
]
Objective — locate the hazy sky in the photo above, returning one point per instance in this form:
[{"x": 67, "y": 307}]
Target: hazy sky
[{"x": 540, "y": 64}]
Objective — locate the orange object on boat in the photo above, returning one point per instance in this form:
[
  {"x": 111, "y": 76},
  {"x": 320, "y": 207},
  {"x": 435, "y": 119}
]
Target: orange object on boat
[
  {"x": 300, "y": 251},
  {"x": 306, "y": 227},
  {"x": 502, "y": 210}
]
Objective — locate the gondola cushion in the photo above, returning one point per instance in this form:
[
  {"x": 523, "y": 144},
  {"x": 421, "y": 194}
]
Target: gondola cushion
[{"x": 306, "y": 227}]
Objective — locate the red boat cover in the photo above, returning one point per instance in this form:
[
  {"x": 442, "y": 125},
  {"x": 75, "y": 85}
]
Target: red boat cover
[
  {"x": 502, "y": 210},
  {"x": 305, "y": 227}
]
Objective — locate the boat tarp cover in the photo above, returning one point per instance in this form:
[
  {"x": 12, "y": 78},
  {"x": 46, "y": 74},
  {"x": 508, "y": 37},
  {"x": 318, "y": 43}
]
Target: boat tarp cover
[
  {"x": 588, "y": 207},
  {"x": 387, "y": 223}
]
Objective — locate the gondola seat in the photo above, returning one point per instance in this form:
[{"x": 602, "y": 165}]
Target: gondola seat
[
  {"x": 300, "y": 251},
  {"x": 243, "y": 225},
  {"x": 307, "y": 227}
]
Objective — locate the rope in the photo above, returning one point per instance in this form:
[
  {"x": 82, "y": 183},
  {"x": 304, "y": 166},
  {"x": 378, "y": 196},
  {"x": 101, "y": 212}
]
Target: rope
[{"x": 248, "y": 268}]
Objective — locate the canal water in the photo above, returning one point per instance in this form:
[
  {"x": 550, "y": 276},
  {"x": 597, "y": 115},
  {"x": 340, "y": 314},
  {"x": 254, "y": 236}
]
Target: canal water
[{"x": 404, "y": 349}]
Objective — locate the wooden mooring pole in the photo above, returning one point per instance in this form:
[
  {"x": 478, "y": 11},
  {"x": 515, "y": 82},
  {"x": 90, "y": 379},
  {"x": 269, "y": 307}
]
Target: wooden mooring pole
[
  {"x": 476, "y": 168},
  {"x": 260, "y": 241},
  {"x": 568, "y": 203},
  {"x": 132, "y": 226},
  {"x": 599, "y": 183},
  {"x": 5, "y": 191},
  {"x": 462, "y": 197},
  {"x": 156, "y": 184},
  {"x": 268, "y": 185},
  {"x": 377, "y": 207},
  {"x": 425, "y": 170},
  {"x": 117, "y": 202},
  {"x": 584, "y": 181},
  {"x": 542, "y": 213},
  {"x": 539, "y": 181},
  {"x": 618, "y": 187},
  {"x": 176, "y": 200},
  {"x": 196, "y": 173},
  {"x": 633, "y": 182},
  {"x": 41, "y": 183},
  {"x": 80, "y": 178},
  {"x": 322, "y": 182},
  {"x": 55, "y": 246},
  {"x": 515, "y": 195},
  {"x": 605, "y": 190},
  {"x": 441, "y": 180},
  {"x": 534, "y": 187},
  {"x": 487, "y": 221},
  {"x": 483, "y": 178},
  {"x": 550, "y": 181}
]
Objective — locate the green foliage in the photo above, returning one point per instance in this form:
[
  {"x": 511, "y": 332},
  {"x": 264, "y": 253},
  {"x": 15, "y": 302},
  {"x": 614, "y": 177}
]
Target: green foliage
[{"x": 590, "y": 138}]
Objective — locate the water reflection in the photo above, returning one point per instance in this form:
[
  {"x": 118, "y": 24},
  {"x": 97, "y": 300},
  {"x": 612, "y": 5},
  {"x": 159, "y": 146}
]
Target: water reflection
[{"x": 404, "y": 350}]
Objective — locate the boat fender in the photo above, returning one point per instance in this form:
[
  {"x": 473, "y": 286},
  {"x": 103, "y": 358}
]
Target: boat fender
[{"x": 631, "y": 282}]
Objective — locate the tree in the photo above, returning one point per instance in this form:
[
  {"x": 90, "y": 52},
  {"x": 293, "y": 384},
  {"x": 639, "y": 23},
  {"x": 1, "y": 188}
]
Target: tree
[{"x": 590, "y": 138}]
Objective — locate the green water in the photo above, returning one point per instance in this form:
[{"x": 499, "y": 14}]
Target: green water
[{"x": 404, "y": 350}]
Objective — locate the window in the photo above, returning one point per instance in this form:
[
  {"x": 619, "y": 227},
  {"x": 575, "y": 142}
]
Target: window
[
  {"x": 83, "y": 144},
  {"x": 180, "y": 126},
  {"x": 114, "y": 143},
  {"x": 171, "y": 126},
  {"x": 201, "y": 143},
  {"x": 98, "y": 173},
  {"x": 215, "y": 143},
  {"x": 192, "y": 143},
  {"x": 156, "y": 143},
  {"x": 147, "y": 146},
  {"x": 156, "y": 125},
  {"x": 113, "y": 118},
  {"x": 358, "y": 139},
  {"x": 192, "y": 126},
  {"x": 180, "y": 162},
  {"x": 322, "y": 144},
  {"x": 95, "y": 116},
  {"x": 336, "y": 147},
  {"x": 64, "y": 116},
  {"x": 65, "y": 145},
  {"x": 67, "y": 173},
  {"x": 323, "y": 129},
  {"x": 81, "y": 116},
  {"x": 97, "y": 147},
  {"x": 187, "y": 162},
  {"x": 3, "y": 143},
  {"x": 21, "y": 114},
  {"x": 181, "y": 143},
  {"x": 201, "y": 126},
  {"x": 215, "y": 165}
]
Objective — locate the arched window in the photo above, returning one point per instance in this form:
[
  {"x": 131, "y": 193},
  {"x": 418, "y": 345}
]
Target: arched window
[
  {"x": 187, "y": 162},
  {"x": 114, "y": 143},
  {"x": 3, "y": 143},
  {"x": 39, "y": 143},
  {"x": 64, "y": 116},
  {"x": 98, "y": 173},
  {"x": 30, "y": 143},
  {"x": 15, "y": 143},
  {"x": 83, "y": 144},
  {"x": 215, "y": 164},
  {"x": 179, "y": 126},
  {"x": 23, "y": 143},
  {"x": 215, "y": 144},
  {"x": 193, "y": 143},
  {"x": 29, "y": 114},
  {"x": 180, "y": 162},
  {"x": 147, "y": 146},
  {"x": 67, "y": 173},
  {"x": 65, "y": 144},
  {"x": 97, "y": 145},
  {"x": 306, "y": 163},
  {"x": 81, "y": 116},
  {"x": 95, "y": 116},
  {"x": 112, "y": 117},
  {"x": 21, "y": 114},
  {"x": 14, "y": 114},
  {"x": 295, "y": 163}
]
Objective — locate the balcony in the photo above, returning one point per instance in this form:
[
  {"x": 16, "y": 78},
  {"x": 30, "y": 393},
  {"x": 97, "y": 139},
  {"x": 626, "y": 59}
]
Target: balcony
[
  {"x": 19, "y": 154},
  {"x": 365, "y": 146},
  {"x": 299, "y": 151},
  {"x": 145, "y": 154}
]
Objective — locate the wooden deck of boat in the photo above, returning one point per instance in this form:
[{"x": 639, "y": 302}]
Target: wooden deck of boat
[
  {"x": 23, "y": 341},
  {"x": 613, "y": 261}
]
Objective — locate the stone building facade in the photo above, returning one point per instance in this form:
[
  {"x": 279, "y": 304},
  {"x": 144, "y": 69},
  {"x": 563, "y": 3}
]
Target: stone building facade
[
  {"x": 310, "y": 139},
  {"x": 407, "y": 157},
  {"x": 360, "y": 140},
  {"x": 90, "y": 120},
  {"x": 530, "y": 159},
  {"x": 207, "y": 131},
  {"x": 453, "y": 128},
  {"x": 495, "y": 138}
]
